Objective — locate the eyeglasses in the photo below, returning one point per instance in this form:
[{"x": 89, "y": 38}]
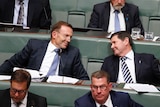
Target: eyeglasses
[
  {"x": 14, "y": 91},
  {"x": 102, "y": 87}
]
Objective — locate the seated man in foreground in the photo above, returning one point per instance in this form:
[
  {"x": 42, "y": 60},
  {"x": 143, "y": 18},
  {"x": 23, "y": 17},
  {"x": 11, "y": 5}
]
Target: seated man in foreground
[
  {"x": 18, "y": 95},
  {"x": 102, "y": 95}
]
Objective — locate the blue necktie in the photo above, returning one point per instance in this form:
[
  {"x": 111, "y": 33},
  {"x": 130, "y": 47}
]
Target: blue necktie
[
  {"x": 125, "y": 71},
  {"x": 54, "y": 65},
  {"x": 117, "y": 23}
]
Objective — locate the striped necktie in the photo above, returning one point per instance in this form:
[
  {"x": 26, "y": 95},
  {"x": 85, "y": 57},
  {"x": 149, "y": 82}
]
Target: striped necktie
[
  {"x": 125, "y": 70},
  {"x": 21, "y": 12}
]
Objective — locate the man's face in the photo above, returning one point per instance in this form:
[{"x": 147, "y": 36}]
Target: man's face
[
  {"x": 18, "y": 91},
  {"x": 118, "y": 46},
  {"x": 100, "y": 89},
  {"x": 118, "y": 4},
  {"x": 62, "y": 38}
]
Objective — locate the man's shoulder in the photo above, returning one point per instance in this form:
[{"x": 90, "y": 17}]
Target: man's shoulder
[
  {"x": 130, "y": 5},
  {"x": 35, "y": 96},
  {"x": 85, "y": 98},
  {"x": 102, "y": 4},
  {"x": 145, "y": 55}
]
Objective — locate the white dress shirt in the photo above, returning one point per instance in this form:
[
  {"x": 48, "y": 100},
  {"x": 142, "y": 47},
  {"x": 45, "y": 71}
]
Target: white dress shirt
[
  {"x": 111, "y": 26},
  {"x": 108, "y": 103},
  {"x": 23, "y": 102},
  {"x": 16, "y": 12},
  {"x": 131, "y": 65},
  {"x": 48, "y": 59}
]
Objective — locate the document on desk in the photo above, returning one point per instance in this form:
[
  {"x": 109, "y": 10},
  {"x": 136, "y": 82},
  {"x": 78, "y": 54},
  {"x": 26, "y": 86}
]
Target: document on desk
[
  {"x": 34, "y": 73},
  {"x": 5, "y": 77},
  {"x": 141, "y": 87},
  {"x": 62, "y": 79}
]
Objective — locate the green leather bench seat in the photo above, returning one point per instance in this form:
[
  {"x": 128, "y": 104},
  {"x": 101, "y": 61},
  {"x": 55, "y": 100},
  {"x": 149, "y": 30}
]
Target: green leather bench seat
[
  {"x": 61, "y": 11},
  {"x": 93, "y": 50},
  {"x": 63, "y": 95}
]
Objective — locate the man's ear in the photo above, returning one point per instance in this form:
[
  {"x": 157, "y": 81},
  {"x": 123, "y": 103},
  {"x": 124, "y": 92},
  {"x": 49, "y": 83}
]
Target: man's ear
[
  {"x": 126, "y": 41},
  {"x": 54, "y": 34}
]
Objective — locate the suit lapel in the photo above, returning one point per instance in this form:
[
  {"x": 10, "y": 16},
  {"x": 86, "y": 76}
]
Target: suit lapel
[
  {"x": 138, "y": 65},
  {"x": 30, "y": 12},
  {"x": 63, "y": 61},
  {"x": 126, "y": 16},
  {"x": 10, "y": 11},
  {"x": 41, "y": 53},
  {"x": 106, "y": 16},
  {"x": 115, "y": 68}
]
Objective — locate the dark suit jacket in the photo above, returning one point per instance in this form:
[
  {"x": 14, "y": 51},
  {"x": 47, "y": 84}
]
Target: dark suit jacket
[
  {"x": 119, "y": 99},
  {"x": 33, "y": 53},
  {"x": 39, "y": 13},
  {"x": 146, "y": 68},
  {"x": 32, "y": 99},
  {"x": 101, "y": 13}
]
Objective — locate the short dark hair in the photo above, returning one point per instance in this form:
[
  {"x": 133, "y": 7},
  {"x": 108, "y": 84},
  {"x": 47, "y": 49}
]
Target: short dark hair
[
  {"x": 21, "y": 75},
  {"x": 58, "y": 25},
  {"x": 122, "y": 35},
  {"x": 100, "y": 74}
]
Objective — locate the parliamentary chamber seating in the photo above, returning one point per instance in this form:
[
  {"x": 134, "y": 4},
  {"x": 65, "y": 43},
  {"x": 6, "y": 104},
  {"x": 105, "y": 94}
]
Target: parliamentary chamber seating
[{"x": 93, "y": 50}]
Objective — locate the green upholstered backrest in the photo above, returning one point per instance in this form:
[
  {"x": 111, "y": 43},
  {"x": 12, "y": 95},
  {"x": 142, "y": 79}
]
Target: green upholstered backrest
[{"x": 64, "y": 95}]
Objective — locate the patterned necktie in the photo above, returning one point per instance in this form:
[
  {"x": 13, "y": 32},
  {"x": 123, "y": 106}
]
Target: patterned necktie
[
  {"x": 18, "y": 104},
  {"x": 125, "y": 71},
  {"x": 21, "y": 12},
  {"x": 117, "y": 23},
  {"x": 54, "y": 65}
]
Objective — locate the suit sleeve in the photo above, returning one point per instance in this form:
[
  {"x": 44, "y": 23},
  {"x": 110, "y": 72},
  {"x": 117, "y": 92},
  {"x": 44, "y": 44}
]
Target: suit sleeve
[
  {"x": 78, "y": 68},
  {"x": 94, "y": 18},
  {"x": 137, "y": 21},
  {"x": 20, "y": 59}
]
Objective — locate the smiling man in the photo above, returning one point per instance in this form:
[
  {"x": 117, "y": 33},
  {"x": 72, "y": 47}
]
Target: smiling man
[
  {"x": 18, "y": 94},
  {"x": 40, "y": 54},
  {"x": 139, "y": 67}
]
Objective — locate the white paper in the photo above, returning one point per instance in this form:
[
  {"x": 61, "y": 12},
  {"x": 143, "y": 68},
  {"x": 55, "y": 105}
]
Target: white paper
[
  {"x": 34, "y": 73},
  {"x": 5, "y": 77},
  {"x": 62, "y": 79},
  {"x": 141, "y": 87}
]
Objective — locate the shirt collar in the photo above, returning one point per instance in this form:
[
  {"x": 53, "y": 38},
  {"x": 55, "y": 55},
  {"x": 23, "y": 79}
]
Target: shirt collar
[
  {"x": 130, "y": 55},
  {"x": 23, "y": 102},
  {"x": 51, "y": 47},
  {"x": 112, "y": 9},
  {"x": 108, "y": 102}
]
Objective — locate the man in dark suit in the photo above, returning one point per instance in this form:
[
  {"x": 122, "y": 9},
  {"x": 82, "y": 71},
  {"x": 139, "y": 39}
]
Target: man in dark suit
[
  {"x": 17, "y": 95},
  {"x": 39, "y": 54},
  {"x": 37, "y": 13},
  {"x": 144, "y": 68},
  {"x": 103, "y": 16},
  {"x": 102, "y": 95}
]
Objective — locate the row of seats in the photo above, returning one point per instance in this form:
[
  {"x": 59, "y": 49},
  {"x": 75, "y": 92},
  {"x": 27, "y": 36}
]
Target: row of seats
[
  {"x": 93, "y": 49},
  {"x": 63, "y": 95},
  {"x": 78, "y": 12}
]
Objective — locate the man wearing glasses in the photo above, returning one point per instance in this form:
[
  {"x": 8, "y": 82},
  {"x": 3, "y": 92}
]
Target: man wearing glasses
[
  {"x": 102, "y": 95},
  {"x": 18, "y": 95}
]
